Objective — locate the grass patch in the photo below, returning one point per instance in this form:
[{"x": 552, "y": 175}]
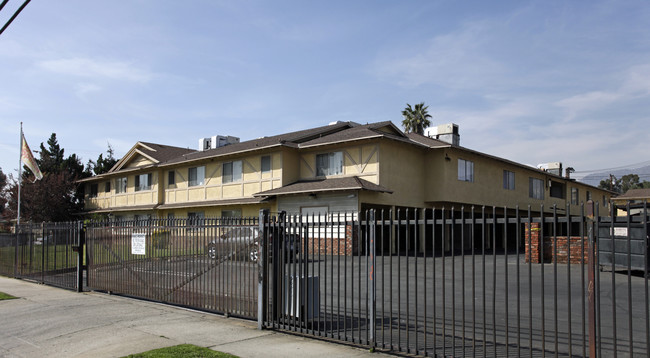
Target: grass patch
[
  {"x": 4, "y": 296},
  {"x": 183, "y": 351}
]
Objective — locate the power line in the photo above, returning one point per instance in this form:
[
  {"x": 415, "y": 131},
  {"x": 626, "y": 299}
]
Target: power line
[
  {"x": 629, "y": 166},
  {"x": 13, "y": 17}
]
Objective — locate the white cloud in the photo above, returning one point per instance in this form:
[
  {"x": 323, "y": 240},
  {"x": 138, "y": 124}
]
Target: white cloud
[
  {"x": 589, "y": 100},
  {"x": 81, "y": 89},
  {"x": 89, "y": 68},
  {"x": 454, "y": 60}
]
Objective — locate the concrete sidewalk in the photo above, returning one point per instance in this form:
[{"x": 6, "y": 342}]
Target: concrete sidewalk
[{"x": 52, "y": 322}]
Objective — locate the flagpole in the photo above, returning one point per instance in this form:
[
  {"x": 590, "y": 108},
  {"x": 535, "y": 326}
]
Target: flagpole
[{"x": 20, "y": 170}]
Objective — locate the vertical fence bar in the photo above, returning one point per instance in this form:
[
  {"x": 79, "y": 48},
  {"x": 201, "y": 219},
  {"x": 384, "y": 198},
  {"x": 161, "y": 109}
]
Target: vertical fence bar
[
  {"x": 555, "y": 259},
  {"x": 407, "y": 291},
  {"x": 262, "y": 279},
  {"x": 443, "y": 282},
  {"x": 452, "y": 238},
  {"x": 494, "y": 280},
  {"x": 424, "y": 273},
  {"x": 629, "y": 278},
  {"x": 484, "y": 229},
  {"x": 568, "y": 237},
  {"x": 462, "y": 275},
  {"x": 433, "y": 274},
  {"x": 505, "y": 258},
  {"x": 613, "y": 241},
  {"x": 645, "y": 275},
  {"x": 473, "y": 248},
  {"x": 371, "y": 278},
  {"x": 517, "y": 245},
  {"x": 541, "y": 238},
  {"x": 592, "y": 279}
]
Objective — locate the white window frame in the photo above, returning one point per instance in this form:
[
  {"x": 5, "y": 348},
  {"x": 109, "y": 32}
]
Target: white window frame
[
  {"x": 575, "y": 196},
  {"x": 329, "y": 164},
  {"x": 508, "y": 180},
  {"x": 536, "y": 188},
  {"x": 143, "y": 182},
  {"x": 465, "y": 170},
  {"x": 199, "y": 176},
  {"x": 121, "y": 185},
  {"x": 232, "y": 172}
]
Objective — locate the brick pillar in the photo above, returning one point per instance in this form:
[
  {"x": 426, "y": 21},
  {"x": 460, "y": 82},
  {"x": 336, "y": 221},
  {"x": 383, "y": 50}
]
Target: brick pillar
[{"x": 533, "y": 241}]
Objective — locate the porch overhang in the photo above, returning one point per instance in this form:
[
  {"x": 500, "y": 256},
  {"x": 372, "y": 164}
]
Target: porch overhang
[{"x": 325, "y": 185}]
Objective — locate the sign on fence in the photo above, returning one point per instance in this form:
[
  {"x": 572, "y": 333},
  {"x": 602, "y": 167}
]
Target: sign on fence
[{"x": 138, "y": 244}]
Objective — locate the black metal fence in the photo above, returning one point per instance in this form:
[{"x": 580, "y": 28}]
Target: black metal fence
[
  {"x": 199, "y": 263},
  {"x": 462, "y": 282},
  {"x": 435, "y": 282},
  {"x": 45, "y": 253}
]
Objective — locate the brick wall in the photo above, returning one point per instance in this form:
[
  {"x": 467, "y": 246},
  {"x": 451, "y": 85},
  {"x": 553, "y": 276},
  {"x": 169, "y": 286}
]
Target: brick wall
[
  {"x": 347, "y": 245},
  {"x": 565, "y": 246}
]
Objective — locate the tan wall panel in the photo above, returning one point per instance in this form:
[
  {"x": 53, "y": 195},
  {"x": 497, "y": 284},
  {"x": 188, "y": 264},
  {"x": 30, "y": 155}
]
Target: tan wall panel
[
  {"x": 196, "y": 194},
  {"x": 213, "y": 193},
  {"x": 252, "y": 188},
  {"x": 232, "y": 191}
]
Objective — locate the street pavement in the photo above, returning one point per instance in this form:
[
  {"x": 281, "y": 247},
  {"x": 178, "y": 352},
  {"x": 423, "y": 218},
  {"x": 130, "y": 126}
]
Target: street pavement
[{"x": 50, "y": 322}]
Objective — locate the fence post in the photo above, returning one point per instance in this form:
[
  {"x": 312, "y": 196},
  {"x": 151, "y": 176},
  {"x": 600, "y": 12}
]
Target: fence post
[
  {"x": 16, "y": 232},
  {"x": 81, "y": 240},
  {"x": 262, "y": 269},
  {"x": 591, "y": 279},
  {"x": 371, "y": 276}
]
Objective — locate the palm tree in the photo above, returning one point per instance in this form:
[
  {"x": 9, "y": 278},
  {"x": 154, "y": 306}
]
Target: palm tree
[{"x": 416, "y": 119}]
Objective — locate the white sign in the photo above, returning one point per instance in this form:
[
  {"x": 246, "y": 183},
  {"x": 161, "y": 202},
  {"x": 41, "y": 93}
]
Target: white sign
[
  {"x": 138, "y": 244},
  {"x": 620, "y": 231}
]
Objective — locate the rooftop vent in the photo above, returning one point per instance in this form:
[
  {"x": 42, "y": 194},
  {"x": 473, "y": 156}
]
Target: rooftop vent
[
  {"x": 216, "y": 142},
  {"x": 445, "y": 132},
  {"x": 553, "y": 168}
]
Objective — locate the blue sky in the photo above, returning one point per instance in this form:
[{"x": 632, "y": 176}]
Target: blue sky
[{"x": 532, "y": 82}]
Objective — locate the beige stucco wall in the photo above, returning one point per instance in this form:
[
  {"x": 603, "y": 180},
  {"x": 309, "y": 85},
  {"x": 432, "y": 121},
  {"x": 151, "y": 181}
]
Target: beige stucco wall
[
  {"x": 252, "y": 181},
  {"x": 487, "y": 188},
  {"x": 358, "y": 160},
  {"x": 400, "y": 170}
]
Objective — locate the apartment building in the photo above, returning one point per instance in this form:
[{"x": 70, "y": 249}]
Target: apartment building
[{"x": 341, "y": 167}]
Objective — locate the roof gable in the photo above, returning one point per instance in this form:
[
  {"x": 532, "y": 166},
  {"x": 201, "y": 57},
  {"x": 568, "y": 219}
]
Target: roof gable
[{"x": 144, "y": 154}]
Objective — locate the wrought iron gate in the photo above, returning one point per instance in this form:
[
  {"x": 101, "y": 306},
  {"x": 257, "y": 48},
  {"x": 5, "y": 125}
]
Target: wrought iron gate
[{"x": 459, "y": 282}]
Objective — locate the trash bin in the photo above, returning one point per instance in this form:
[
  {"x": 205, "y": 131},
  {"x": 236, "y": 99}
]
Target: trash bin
[
  {"x": 622, "y": 240},
  {"x": 301, "y": 297}
]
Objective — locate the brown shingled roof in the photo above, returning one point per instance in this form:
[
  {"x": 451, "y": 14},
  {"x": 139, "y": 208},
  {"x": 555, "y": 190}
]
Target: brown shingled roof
[
  {"x": 429, "y": 142},
  {"x": 635, "y": 194},
  {"x": 372, "y": 130},
  {"x": 321, "y": 185},
  {"x": 196, "y": 204},
  {"x": 292, "y": 139}
]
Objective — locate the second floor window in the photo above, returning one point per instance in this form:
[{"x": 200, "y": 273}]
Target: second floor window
[
  {"x": 171, "y": 179},
  {"x": 232, "y": 171},
  {"x": 465, "y": 170},
  {"x": 508, "y": 180},
  {"x": 143, "y": 182},
  {"x": 575, "y": 200},
  {"x": 329, "y": 164},
  {"x": 93, "y": 190},
  {"x": 196, "y": 176},
  {"x": 120, "y": 185},
  {"x": 536, "y": 188},
  {"x": 266, "y": 164},
  {"x": 107, "y": 187}
]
